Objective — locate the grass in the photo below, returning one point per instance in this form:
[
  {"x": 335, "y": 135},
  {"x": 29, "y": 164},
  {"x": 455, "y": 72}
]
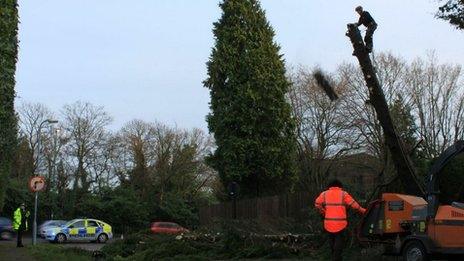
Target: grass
[{"x": 45, "y": 252}]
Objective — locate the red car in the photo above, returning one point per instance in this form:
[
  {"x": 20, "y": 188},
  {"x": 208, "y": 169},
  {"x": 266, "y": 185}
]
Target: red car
[{"x": 167, "y": 228}]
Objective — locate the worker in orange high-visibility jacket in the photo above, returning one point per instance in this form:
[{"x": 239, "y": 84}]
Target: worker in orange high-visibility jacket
[{"x": 332, "y": 204}]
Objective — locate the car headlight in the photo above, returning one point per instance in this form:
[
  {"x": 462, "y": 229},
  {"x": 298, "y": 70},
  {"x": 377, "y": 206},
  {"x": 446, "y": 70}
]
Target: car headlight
[{"x": 50, "y": 232}]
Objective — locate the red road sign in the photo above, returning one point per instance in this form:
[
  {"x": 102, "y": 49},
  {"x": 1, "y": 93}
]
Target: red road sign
[{"x": 36, "y": 183}]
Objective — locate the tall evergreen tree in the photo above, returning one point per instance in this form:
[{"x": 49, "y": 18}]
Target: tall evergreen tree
[
  {"x": 250, "y": 116},
  {"x": 406, "y": 127},
  {"x": 453, "y": 12},
  {"x": 404, "y": 122},
  {"x": 8, "y": 57}
]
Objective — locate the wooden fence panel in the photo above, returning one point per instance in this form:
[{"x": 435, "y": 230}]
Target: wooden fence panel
[{"x": 295, "y": 205}]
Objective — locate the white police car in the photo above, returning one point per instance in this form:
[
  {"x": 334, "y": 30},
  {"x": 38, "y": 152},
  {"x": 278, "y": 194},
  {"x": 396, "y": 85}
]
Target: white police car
[{"x": 80, "y": 230}]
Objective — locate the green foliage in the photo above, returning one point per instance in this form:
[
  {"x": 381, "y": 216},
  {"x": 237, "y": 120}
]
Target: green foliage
[
  {"x": 404, "y": 122},
  {"x": 18, "y": 193},
  {"x": 174, "y": 208},
  {"x": 231, "y": 240},
  {"x": 23, "y": 166},
  {"x": 451, "y": 181},
  {"x": 163, "y": 247},
  {"x": 250, "y": 117},
  {"x": 8, "y": 57},
  {"x": 120, "y": 207},
  {"x": 406, "y": 129},
  {"x": 237, "y": 243},
  {"x": 45, "y": 252},
  {"x": 453, "y": 12},
  {"x": 142, "y": 246},
  {"x": 123, "y": 248}
]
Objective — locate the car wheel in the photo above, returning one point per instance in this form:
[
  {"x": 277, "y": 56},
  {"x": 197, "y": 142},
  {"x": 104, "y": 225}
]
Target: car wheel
[
  {"x": 60, "y": 238},
  {"x": 102, "y": 238},
  {"x": 415, "y": 251},
  {"x": 6, "y": 235}
]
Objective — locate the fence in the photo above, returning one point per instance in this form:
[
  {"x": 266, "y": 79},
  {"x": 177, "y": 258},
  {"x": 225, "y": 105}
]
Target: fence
[{"x": 294, "y": 206}]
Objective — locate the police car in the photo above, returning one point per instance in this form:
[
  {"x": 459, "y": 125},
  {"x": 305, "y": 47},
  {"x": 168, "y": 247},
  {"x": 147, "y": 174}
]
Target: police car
[{"x": 80, "y": 230}]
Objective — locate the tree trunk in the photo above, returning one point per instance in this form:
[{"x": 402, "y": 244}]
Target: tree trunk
[{"x": 400, "y": 158}]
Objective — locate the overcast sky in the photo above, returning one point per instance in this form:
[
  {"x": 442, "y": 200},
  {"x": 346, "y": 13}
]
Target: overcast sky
[{"x": 145, "y": 59}]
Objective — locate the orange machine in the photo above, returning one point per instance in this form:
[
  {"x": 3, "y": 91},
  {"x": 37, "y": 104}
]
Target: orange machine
[
  {"x": 417, "y": 227},
  {"x": 413, "y": 226}
]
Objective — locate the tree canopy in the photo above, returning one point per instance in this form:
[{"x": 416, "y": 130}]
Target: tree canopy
[
  {"x": 8, "y": 57},
  {"x": 250, "y": 116},
  {"x": 453, "y": 12}
]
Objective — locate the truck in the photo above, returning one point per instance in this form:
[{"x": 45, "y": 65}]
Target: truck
[{"x": 415, "y": 224}]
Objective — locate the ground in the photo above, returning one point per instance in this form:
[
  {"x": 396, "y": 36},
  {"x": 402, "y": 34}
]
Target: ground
[
  {"x": 9, "y": 251},
  {"x": 83, "y": 251}
]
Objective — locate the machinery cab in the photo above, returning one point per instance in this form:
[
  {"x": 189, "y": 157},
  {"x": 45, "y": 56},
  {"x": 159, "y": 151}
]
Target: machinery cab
[{"x": 393, "y": 214}]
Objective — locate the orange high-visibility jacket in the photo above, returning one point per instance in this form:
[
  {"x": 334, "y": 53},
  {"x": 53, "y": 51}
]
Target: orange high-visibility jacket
[{"x": 332, "y": 204}]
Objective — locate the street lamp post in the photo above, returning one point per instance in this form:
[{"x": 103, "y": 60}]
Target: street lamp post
[
  {"x": 53, "y": 176},
  {"x": 34, "y": 230}
]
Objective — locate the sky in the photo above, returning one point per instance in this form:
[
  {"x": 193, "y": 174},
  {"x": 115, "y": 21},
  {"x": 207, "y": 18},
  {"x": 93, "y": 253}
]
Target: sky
[{"x": 146, "y": 59}]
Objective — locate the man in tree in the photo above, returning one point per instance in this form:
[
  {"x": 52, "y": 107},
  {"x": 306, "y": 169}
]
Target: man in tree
[
  {"x": 366, "y": 19},
  {"x": 20, "y": 223},
  {"x": 332, "y": 204}
]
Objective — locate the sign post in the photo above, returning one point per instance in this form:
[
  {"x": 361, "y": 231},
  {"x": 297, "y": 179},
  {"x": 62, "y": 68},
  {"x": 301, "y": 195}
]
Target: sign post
[
  {"x": 234, "y": 190},
  {"x": 36, "y": 184}
]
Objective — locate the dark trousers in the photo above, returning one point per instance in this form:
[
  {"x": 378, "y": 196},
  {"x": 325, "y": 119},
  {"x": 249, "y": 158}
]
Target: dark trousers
[
  {"x": 337, "y": 243},
  {"x": 19, "y": 237},
  {"x": 368, "y": 38}
]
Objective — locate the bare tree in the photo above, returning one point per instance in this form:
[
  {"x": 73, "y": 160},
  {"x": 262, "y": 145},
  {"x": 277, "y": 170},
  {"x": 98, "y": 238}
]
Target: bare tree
[
  {"x": 85, "y": 125},
  {"x": 357, "y": 105},
  {"x": 433, "y": 92},
  {"x": 136, "y": 141},
  {"x": 53, "y": 153},
  {"x": 390, "y": 71},
  {"x": 205, "y": 176},
  {"x": 437, "y": 95},
  {"x": 179, "y": 161},
  {"x": 323, "y": 132},
  {"x": 157, "y": 158},
  {"x": 101, "y": 170},
  {"x": 30, "y": 117}
]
